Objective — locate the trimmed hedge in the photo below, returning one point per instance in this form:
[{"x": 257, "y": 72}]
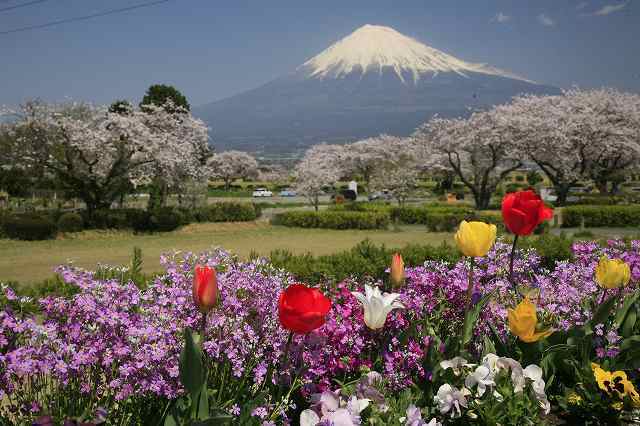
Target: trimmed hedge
[
  {"x": 601, "y": 216},
  {"x": 30, "y": 227},
  {"x": 228, "y": 212},
  {"x": 333, "y": 220},
  {"x": 70, "y": 222}
]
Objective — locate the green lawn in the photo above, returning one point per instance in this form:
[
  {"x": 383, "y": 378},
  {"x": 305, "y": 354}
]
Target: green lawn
[{"x": 29, "y": 262}]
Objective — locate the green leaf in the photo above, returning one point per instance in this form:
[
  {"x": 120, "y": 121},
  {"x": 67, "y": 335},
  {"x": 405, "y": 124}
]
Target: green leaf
[
  {"x": 191, "y": 366},
  {"x": 488, "y": 347},
  {"x": 629, "y": 343},
  {"x": 170, "y": 421},
  {"x": 629, "y": 323},
  {"x": 499, "y": 345},
  {"x": 471, "y": 318},
  {"x": 203, "y": 403},
  {"x": 603, "y": 311},
  {"x": 628, "y": 303}
]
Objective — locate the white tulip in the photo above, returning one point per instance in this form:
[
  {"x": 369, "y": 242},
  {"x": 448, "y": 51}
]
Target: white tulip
[{"x": 377, "y": 306}]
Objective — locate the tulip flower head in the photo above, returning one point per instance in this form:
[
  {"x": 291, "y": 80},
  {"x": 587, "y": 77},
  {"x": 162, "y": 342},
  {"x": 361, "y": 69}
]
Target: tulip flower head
[
  {"x": 205, "y": 288},
  {"x": 523, "y": 322},
  {"x": 475, "y": 239},
  {"x": 612, "y": 273},
  {"x": 397, "y": 270},
  {"x": 377, "y": 305},
  {"x": 522, "y": 211},
  {"x": 302, "y": 309}
]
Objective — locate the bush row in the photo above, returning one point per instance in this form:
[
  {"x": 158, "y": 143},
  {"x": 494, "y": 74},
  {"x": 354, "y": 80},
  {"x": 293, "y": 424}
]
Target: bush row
[
  {"x": 333, "y": 219},
  {"x": 370, "y": 260},
  {"x": 601, "y": 216},
  {"x": 45, "y": 225}
]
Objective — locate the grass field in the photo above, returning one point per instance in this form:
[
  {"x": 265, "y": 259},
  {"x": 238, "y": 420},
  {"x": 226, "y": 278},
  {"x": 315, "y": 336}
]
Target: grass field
[{"x": 29, "y": 262}]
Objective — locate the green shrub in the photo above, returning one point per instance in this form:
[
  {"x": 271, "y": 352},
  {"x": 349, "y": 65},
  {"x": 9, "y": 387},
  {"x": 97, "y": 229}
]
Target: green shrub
[
  {"x": 70, "y": 222},
  {"x": 165, "y": 219},
  {"x": 363, "y": 260},
  {"x": 140, "y": 221},
  {"x": 601, "y": 216},
  {"x": 229, "y": 212},
  {"x": 551, "y": 248},
  {"x": 30, "y": 227},
  {"x": 108, "y": 219},
  {"x": 333, "y": 219}
]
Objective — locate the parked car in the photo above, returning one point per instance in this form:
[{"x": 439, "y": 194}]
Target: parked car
[
  {"x": 262, "y": 192},
  {"x": 380, "y": 195},
  {"x": 288, "y": 192}
]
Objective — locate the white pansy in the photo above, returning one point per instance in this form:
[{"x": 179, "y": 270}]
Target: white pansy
[
  {"x": 456, "y": 364},
  {"x": 482, "y": 377},
  {"x": 309, "y": 418},
  {"x": 450, "y": 400},
  {"x": 534, "y": 373},
  {"x": 377, "y": 306}
]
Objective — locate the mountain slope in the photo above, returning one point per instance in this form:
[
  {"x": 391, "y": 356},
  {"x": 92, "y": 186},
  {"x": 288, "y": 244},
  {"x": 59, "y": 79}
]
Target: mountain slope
[{"x": 373, "y": 81}]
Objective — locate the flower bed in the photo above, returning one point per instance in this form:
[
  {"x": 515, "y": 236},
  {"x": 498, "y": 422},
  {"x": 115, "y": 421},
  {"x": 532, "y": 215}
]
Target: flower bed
[{"x": 246, "y": 345}]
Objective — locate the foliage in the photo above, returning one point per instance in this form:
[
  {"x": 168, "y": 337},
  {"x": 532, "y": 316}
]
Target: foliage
[
  {"x": 29, "y": 226},
  {"x": 601, "y": 216},
  {"x": 162, "y": 95},
  {"x": 70, "y": 222},
  {"x": 332, "y": 220}
]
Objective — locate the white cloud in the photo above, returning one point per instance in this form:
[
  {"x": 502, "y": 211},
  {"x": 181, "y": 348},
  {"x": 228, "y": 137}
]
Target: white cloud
[
  {"x": 501, "y": 18},
  {"x": 609, "y": 9},
  {"x": 581, "y": 5},
  {"x": 545, "y": 20}
]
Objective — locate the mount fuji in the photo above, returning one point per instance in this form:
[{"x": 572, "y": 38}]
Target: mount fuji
[{"x": 375, "y": 80}]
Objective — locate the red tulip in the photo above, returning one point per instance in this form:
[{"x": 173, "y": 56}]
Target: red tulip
[
  {"x": 302, "y": 309},
  {"x": 205, "y": 288},
  {"x": 522, "y": 211}
]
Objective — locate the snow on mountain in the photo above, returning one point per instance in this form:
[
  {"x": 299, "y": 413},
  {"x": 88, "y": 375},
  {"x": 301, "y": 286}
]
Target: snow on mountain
[
  {"x": 375, "y": 47},
  {"x": 373, "y": 81}
]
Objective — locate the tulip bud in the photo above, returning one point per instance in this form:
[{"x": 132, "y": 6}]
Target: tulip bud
[
  {"x": 475, "y": 239},
  {"x": 205, "y": 288},
  {"x": 397, "y": 270},
  {"x": 612, "y": 273}
]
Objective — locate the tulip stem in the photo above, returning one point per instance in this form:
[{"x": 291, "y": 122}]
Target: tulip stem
[
  {"x": 470, "y": 286},
  {"x": 286, "y": 350},
  {"x": 513, "y": 255}
]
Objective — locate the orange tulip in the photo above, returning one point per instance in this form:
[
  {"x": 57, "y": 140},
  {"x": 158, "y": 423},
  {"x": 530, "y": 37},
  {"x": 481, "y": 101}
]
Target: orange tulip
[
  {"x": 397, "y": 270},
  {"x": 205, "y": 288}
]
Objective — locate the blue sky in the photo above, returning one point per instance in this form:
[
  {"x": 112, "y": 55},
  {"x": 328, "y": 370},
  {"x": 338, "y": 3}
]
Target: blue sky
[{"x": 211, "y": 49}]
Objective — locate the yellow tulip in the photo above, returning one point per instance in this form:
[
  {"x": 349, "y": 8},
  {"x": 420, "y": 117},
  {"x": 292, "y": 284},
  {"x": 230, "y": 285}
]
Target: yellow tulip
[
  {"x": 612, "y": 273},
  {"x": 397, "y": 270},
  {"x": 475, "y": 239},
  {"x": 523, "y": 322}
]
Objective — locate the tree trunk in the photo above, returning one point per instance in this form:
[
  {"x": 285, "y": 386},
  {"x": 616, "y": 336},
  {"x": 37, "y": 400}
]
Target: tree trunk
[
  {"x": 315, "y": 203},
  {"x": 562, "y": 192},
  {"x": 483, "y": 199},
  {"x": 601, "y": 184}
]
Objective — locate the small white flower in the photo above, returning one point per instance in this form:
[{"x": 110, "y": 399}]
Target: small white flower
[
  {"x": 482, "y": 377},
  {"x": 534, "y": 373},
  {"x": 377, "y": 305},
  {"x": 309, "y": 418},
  {"x": 450, "y": 399},
  {"x": 456, "y": 364}
]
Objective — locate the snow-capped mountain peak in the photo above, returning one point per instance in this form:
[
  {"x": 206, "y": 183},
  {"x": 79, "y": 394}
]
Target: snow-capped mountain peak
[{"x": 375, "y": 48}]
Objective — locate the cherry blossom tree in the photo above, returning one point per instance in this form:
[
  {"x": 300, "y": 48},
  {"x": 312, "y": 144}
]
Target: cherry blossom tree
[
  {"x": 591, "y": 134},
  {"x": 232, "y": 165},
  {"x": 480, "y": 150},
  {"x": 94, "y": 153},
  {"x": 368, "y": 155},
  {"x": 321, "y": 166}
]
